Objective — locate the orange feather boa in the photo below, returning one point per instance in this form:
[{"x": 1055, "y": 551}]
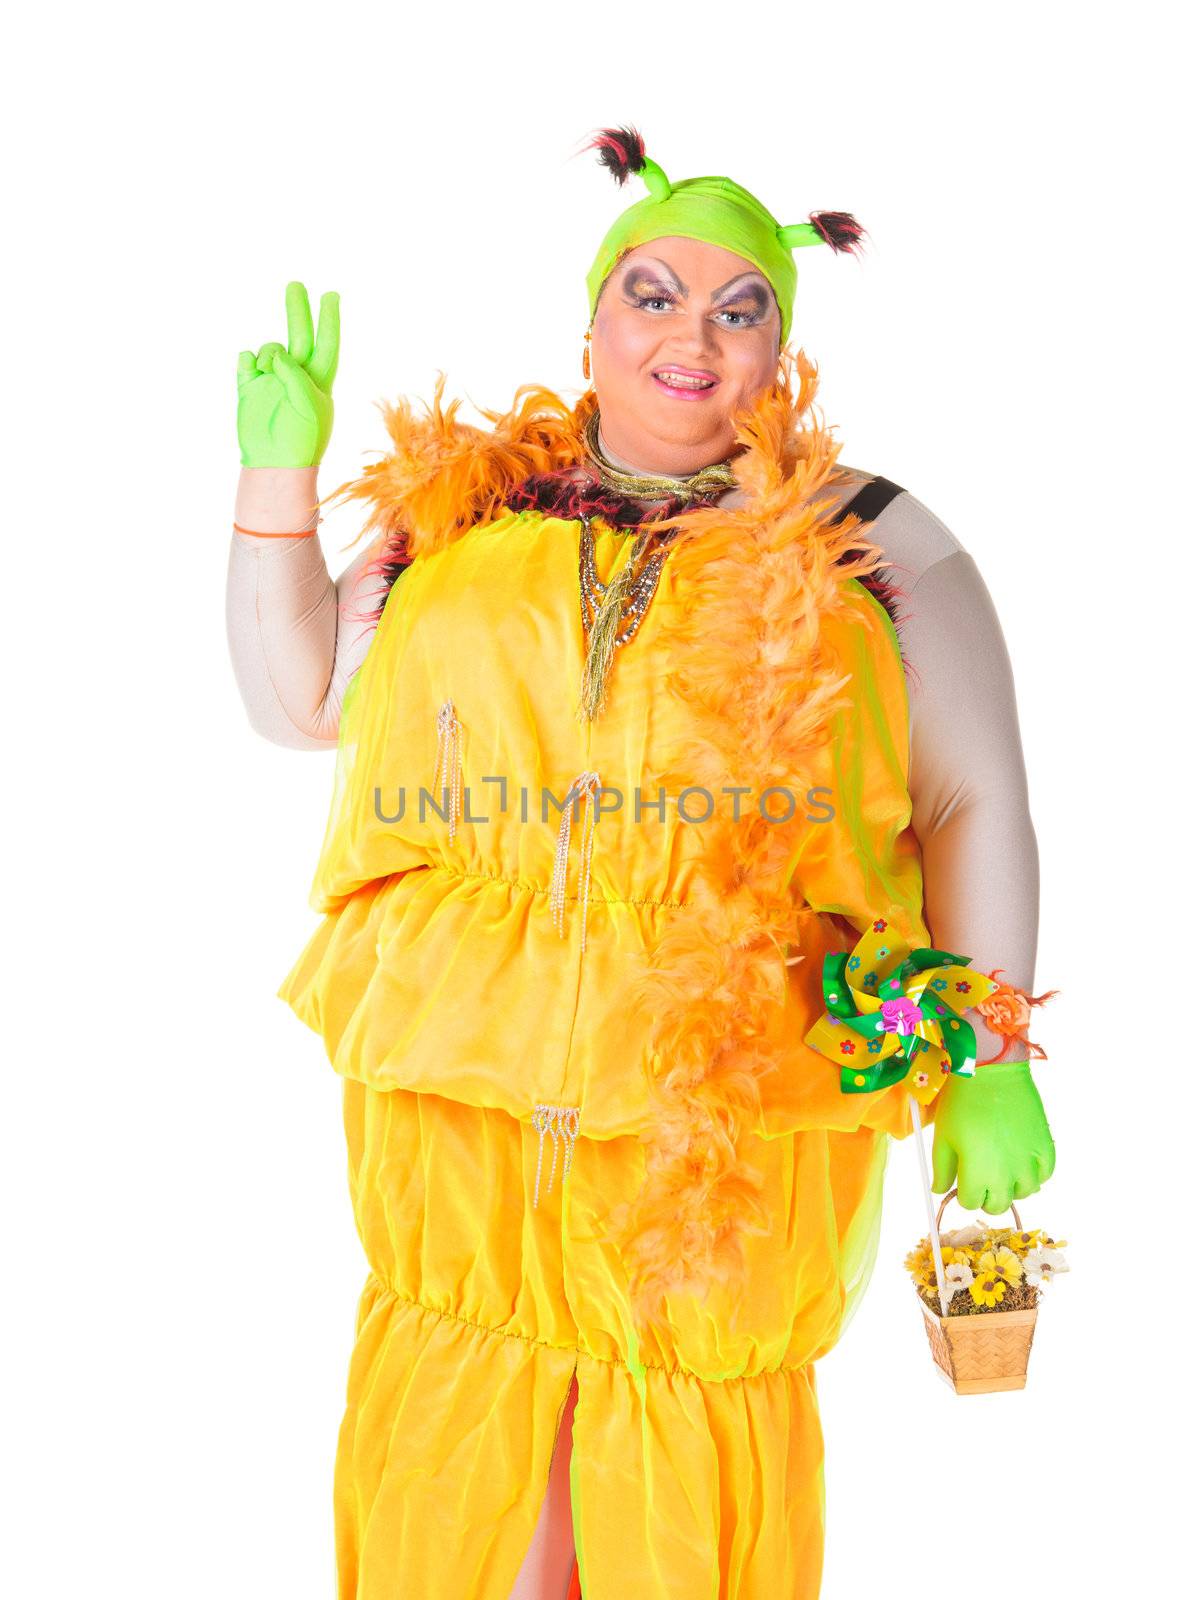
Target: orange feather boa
[{"x": 752, "y": 665}]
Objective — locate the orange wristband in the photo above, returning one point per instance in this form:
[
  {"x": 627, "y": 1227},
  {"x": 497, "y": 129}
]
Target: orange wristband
[{"x": 304, "y": 533}]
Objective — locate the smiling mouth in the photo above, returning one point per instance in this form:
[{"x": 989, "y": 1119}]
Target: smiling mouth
[{"x": 684, "y": 383}]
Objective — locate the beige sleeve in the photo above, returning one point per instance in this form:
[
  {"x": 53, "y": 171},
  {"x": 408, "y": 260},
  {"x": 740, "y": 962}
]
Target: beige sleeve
[
  {"x": 968, "y": 779},
  {"x": 296, "y": 637}
]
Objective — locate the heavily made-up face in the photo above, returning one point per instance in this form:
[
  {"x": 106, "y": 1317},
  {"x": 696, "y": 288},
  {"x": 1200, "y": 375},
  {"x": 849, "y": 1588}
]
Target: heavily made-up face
[{"x": 685, "y": 334}]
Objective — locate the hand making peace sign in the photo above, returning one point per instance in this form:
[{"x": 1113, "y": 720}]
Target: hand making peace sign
[{"x": 285, "y": 409}]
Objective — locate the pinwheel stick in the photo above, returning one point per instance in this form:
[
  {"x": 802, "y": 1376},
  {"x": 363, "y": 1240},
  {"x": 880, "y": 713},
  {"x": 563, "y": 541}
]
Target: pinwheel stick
[{"x": 928, "y": 1196}]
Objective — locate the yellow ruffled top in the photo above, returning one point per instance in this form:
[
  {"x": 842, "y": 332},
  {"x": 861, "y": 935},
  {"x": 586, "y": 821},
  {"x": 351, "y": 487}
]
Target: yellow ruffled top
[{"x": 438, "y": 966}]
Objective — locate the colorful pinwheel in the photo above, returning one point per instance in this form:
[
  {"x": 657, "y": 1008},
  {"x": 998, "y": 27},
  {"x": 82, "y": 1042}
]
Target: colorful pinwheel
[{"x": 893, "y": 1012}]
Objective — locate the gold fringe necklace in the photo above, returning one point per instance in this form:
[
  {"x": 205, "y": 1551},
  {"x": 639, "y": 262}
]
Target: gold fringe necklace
[{"x": 611, "y": 612}]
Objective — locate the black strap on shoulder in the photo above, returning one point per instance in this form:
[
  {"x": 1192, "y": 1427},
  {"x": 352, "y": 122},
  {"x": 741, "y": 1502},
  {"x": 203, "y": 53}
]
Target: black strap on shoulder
[{"x": 871, "y": 500}]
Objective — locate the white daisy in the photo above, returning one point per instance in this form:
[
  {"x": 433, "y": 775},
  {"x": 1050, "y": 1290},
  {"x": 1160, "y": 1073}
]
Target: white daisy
[
  {"x": 1041, "y": 1264},
  {"x": 957, "y": 1275}
]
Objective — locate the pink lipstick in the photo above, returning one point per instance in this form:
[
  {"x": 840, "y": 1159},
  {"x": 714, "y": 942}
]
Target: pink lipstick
[{"x": 693, "y": 383}]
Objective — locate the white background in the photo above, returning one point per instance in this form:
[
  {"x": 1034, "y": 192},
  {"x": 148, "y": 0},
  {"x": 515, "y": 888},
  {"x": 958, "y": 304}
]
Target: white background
[{"x": 1018, "y": 347}]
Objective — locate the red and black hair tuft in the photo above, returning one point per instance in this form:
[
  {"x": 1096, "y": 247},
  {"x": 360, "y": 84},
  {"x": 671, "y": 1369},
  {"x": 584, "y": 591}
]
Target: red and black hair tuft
[
  {"x": 620, "y": 151},
  {"x": 840, "y": 229}
]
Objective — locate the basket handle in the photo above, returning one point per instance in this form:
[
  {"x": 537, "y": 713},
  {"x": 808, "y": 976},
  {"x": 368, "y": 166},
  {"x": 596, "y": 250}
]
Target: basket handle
[{"x": 950, "y": 1195}]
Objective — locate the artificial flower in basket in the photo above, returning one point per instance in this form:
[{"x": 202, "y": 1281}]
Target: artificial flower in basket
[
  {"x": 895, "y": 1014},
  {"x": 980, "y": 1299}
]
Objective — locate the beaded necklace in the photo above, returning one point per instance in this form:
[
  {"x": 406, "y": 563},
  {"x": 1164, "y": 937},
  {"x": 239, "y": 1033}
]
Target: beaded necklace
[{"x": 610, "y": 613}]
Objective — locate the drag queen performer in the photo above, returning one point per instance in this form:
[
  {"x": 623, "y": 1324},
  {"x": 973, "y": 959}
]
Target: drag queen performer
[{"x": 642, "y": 704}]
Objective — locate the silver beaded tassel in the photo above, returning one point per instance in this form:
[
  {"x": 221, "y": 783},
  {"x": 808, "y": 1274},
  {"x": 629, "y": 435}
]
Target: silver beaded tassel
[
  {"x": 561, "y": 1122},
  {"x": 584, "y": 786},
  {"x": 638, "y": 597},
  {"x": 448, "y": 764}
]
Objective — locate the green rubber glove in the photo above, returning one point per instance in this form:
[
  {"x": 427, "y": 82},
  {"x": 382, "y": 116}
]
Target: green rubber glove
[
  {"x": 285, "y": 411},
  {"x": 992, "y": 1138}
]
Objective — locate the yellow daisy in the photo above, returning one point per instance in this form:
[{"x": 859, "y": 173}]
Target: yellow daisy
[
  {"x": 919, "y": 1260},
  {"x": 1029, "y": 1239},
  {"x": 996, "y": 1269},
  {"x": 920, "y": 1264},
  {"x": 1004, "y": 1262},
  {"x": 987, "y": 1288}
]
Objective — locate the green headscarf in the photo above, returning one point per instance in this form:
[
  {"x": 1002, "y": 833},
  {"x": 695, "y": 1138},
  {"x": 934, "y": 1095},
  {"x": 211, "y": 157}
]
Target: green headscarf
[{"x": 715, "y": 210}]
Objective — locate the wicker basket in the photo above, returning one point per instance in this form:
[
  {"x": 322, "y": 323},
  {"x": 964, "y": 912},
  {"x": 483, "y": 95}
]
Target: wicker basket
[{"x": 981, "y": 1354}]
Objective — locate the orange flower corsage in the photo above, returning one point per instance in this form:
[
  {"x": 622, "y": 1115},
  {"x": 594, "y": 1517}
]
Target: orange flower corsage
[{"x": 1007, "y": 1011}]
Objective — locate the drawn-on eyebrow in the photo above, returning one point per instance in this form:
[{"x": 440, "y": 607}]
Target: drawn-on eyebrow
[
  {"x": 681, "y": 289},
  {"x": 757, "y": 288},
  {"x": 671, "y": 276}
]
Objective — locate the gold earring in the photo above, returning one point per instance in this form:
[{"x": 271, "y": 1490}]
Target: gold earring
[{"x": 587, "y": 364}]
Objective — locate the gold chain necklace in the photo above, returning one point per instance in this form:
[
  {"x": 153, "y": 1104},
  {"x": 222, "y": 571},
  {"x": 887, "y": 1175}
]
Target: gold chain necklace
[
  {"x": 610, "y": 613},
  {"x": 652, "y": 485}
]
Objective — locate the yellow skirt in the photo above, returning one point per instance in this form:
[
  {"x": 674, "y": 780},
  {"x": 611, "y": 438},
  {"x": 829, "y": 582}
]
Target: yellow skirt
[{"x": 696, "y": 1467}]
